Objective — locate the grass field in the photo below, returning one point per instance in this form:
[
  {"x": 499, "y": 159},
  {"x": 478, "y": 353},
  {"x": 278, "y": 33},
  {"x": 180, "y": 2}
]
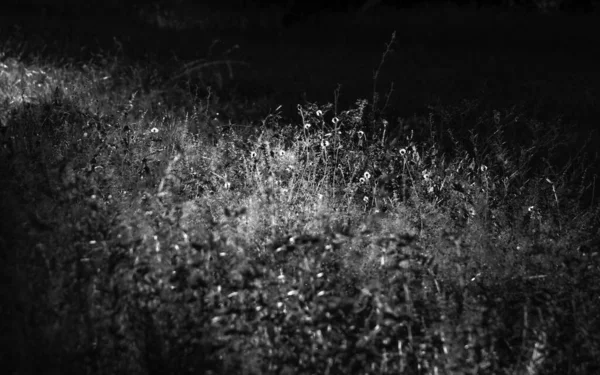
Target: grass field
[{"x": 410, "y": 194}]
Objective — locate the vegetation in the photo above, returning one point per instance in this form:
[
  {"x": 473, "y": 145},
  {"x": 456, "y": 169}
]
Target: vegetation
[{"x": 143, "y": 232}]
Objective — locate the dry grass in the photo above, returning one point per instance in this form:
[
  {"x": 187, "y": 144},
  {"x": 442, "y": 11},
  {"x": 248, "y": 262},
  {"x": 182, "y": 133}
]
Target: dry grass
[{"x": 334, "y": 243}]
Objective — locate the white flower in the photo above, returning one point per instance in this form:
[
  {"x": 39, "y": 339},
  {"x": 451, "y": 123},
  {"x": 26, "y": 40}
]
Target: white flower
[
  {"x": 307, "y": 126},
  {"x": 335, "y": 120},
  {"x": 319, "y": 113},
  {"x": 367, "y": 175},
  {"x": 402, "y": 151},
  {"x": 361, "y": 134},
  {"x": 483, "y": 168},
  {"x": 154, "y": 130},
  {"x": 366, "y": 199}
]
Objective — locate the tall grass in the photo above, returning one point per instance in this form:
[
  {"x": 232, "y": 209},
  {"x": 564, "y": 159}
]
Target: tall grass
[{"x": 141, "y": 235}]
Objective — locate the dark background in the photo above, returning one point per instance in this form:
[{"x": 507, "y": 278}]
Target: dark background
[{"x": 501, "y": 53}]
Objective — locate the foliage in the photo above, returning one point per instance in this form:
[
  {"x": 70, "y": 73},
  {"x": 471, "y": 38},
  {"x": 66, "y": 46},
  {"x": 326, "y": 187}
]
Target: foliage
[{"x": 141, "y": 237}]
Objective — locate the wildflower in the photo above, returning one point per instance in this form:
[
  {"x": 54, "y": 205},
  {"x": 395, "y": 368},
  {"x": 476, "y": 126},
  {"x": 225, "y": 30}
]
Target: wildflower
[
  {"x": 227, "y": 185},
  {"x": 325, "y": 144},
  {"x": 366, "y": 199},
  {"x": 361, "y": 134},
  {"x": 307, "y": 126},
  {"x": 483, "y": 168},
  {"x": 154, "y": 130},
  {"x": 335, "y": 120},
  {"x": 402, "y": 152},
  {"x": 319, "y": 113},
  {"x": 367, "y": 175},
  {"x": 281, "y": 152},
  {"x": 253, "y": 155},
  {"x": 362, "y": 180}
]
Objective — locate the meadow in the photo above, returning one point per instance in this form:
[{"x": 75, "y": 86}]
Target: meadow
[{"x": 396, "y": 198}]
